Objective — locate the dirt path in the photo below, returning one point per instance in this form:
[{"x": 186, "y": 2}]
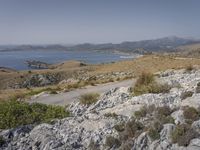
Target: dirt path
[{"x": 68, "y": 97}]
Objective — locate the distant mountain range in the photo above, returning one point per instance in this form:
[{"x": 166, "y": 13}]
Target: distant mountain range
[{"x": 166, "y": 44}]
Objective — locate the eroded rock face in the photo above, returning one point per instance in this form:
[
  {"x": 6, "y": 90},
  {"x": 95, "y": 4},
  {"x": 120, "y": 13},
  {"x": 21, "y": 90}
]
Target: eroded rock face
[
  {"x": 38, "y": 80},
  {"x": 89, "y": 125}
]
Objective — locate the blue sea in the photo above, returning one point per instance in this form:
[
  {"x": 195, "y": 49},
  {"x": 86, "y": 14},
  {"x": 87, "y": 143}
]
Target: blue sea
[{"x": 16, "y": 59}]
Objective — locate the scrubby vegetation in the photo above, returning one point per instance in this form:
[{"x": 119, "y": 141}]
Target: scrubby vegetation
[
  {"x": 186, "y": 94},
  {"x": 15, "y": 113},
  {"x": 191, "y": 114},
  {"x": 146, "y": 83},
  {"x": 189, "y": 68},
  {"x": 2, "y": 141},
  {"x": 157, "y": 116},
  {"x": 50, "y": 90},
  {"x": 112, "y": 115},
  {"x": 141, "y": 113},
  {"x": 112, "y": 142},
  {"x": 162, "y": 114},
  {"x": 88, "y": 99},
  {"x": 154, "y": 131},
  {"x": 120, "y": 127},
  {"x": 183, "y": 134},
  {"x": 132, "y": 129}
]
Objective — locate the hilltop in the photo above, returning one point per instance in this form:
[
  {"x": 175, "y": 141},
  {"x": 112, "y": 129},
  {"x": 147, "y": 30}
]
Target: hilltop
[{"x": 190, "y": 50}]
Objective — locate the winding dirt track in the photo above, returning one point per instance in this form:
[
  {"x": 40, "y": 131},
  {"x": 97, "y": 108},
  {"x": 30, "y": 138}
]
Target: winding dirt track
[{"x": 68, "y": 97}]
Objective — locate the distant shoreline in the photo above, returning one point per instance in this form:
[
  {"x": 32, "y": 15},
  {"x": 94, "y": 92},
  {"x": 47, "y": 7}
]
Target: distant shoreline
[{"x": 17, "y": 59}]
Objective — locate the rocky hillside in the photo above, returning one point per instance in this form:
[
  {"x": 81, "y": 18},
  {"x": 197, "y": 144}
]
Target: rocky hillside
[{"x": 120, "y": 120}]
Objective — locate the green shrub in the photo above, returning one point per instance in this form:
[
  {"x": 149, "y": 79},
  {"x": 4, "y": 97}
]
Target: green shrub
[
  {"x": 88, "y": 99},
  {"x": 15, "y": 113},
  {"x": 145, "y": 79},
  {"x": 154, "y": 134},
  {"x": 183, "y": 134},
  {"x": 144, "y": 111},
  {"x": 132, "y": 129},
  {"x": 2, "y": 141},
  {"x": 112, "y": 142},
  {"x": 146, "y": 84},
  {"x": 186, "y": 94},
  {"x": 112, "y": 115},
  {"x": 120, "y": 127},
  {"x": 154, "y": 131},
  {"x": 126, "y": 145},
  {"x": 159, "y": 88},
  {"x": 164, "y": 110},
  {"x": 163, "y": 114},
  {"x": 141, "y": 113},
  {"x": 190, "y": 114}
]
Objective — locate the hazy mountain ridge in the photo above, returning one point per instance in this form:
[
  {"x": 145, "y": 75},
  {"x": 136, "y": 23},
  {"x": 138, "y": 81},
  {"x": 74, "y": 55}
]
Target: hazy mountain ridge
[{"x": 166, "y": 44}]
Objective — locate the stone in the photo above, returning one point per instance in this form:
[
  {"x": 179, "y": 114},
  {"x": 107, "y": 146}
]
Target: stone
[
  {"x": 89, "y": 123},
  {"x": 142, "y": 142},
  {"x": 178, "y": 117},
  {"x": 196, "y": 126}
]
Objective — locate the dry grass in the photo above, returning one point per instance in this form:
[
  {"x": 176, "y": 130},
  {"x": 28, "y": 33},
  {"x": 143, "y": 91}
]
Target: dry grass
[
  {"x": 26, "y": 93},
  {"x": 149, "y": 63},
  {"x": 88, "y": 99},
  {"x": 146, "y": 83}
]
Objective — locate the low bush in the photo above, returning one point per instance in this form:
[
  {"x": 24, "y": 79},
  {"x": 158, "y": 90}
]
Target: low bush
[
  {"x": 154, "y": 131},
  {"x": 126, "y": 145},
  {"x": 132, "y": 129},
  {"x": 112, "y": 142},
  {"x": 88, "y": 99},
  {"x": 189, "y": 68},
  {"x": 15, "y": 113},
  {"x": 190, "y": 114},
  {"x": 164, "y": 110},
  {"x": 145, "y": 79},
  {"x": 186, "y": 94},
  {"x": 146, "y": 84},
  {"x": 141, "y": 113},
  {"x": 163, "y": 115},
  {"x": 183, "y": 134},
  {"x": 2, "y": 141},
  {"x": 112, "y": 115},
  {"x": 120, "y": 127}
]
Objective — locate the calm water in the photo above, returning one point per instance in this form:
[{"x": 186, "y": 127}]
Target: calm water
[{"x": 17, "y": 59}]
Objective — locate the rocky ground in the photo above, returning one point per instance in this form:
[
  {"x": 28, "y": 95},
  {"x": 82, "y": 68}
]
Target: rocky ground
[{"x": 99, "y": 126}]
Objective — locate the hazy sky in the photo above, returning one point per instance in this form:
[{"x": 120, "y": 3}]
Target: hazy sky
[{"x": 96, "y": 21}]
